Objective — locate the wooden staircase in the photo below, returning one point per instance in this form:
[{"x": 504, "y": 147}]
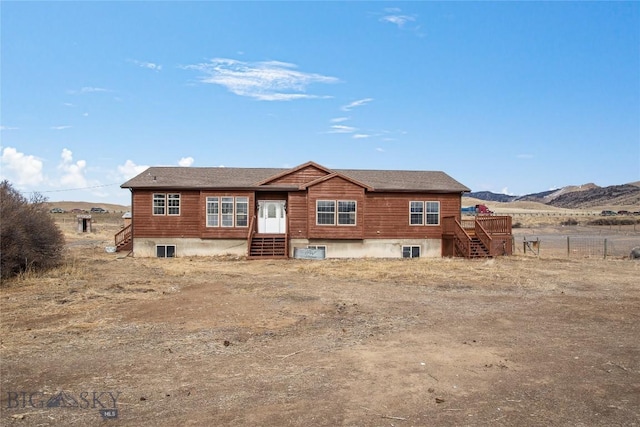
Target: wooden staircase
[
  {"x": 482, "y": 237},
  {"x": 478, "y": 249},
  {"x": 124, "y": 239},
  {"x": 268, "y": 246}
]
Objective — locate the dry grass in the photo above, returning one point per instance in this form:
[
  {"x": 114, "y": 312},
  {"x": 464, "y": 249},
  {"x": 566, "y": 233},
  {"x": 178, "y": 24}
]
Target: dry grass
[{"x": 225, "y": 341}]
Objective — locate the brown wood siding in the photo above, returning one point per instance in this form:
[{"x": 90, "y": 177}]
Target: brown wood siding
[
  {"x": 297, "y": 215},
  {"x": 224, "y": 232},
  {"x": 387, "y": 215},
  {"x": 336, "y": 189},
  {"x": 187, "y": 224},
  {"x": 192, "y": 219},
  {"x": 378, "y": 215},
  {"x": 302, "y": 176}
]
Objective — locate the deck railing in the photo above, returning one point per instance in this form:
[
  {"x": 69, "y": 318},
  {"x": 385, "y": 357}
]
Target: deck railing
[
  {"x": 495, "y": 224},
  {"x": 493, "y": 231}
]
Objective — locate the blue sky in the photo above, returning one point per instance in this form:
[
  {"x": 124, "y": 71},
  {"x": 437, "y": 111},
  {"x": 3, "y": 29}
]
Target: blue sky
[{"x": 514, "y": 97}]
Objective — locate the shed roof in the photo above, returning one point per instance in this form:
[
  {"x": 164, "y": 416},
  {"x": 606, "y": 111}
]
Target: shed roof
[{"x": 168, "y": 177}]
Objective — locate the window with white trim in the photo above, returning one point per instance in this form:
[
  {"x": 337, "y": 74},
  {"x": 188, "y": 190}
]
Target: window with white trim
[
  {"x": 411, "y": 252},
  {"x": 346, "y": 212},
  {"x": 159, "y": 204},
  {"x": 433, "y": 213},
  {"x": 326, "y": 213},
  {"x": 165, "y": 251},
  {"x": 416, "y": 213},
  {"x": 242, "y": 211},
  {"x": 213, "y": 211},
  {"x": 424, "y": 213},
  {"x": 227, "y": 211},
  {"x": 166, "y": 204}
]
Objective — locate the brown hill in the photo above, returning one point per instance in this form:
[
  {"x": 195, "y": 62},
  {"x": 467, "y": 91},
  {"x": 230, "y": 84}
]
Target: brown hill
[
  {"x": 626, "y": 195},
  {"x": 68, "y": 205}
]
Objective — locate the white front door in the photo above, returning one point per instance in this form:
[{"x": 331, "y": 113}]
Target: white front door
[{"x": 272, "y": 217}]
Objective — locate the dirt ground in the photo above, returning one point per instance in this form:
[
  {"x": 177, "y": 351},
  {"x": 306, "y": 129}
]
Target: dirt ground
[{"x": 517, "y": 341}]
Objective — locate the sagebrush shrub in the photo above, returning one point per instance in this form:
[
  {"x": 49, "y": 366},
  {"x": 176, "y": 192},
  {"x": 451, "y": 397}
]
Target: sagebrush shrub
[{"x": 29, "y": 238}]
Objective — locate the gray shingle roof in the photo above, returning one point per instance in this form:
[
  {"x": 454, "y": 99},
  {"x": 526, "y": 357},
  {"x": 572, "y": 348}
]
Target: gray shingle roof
[{"x": 247, "y": 178}]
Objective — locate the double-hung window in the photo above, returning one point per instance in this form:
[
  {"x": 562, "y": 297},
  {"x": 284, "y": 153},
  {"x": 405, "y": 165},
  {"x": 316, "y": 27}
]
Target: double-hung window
[
  {"x": 166, "y": 204},
  {"x": 424, "y": 213},
  {"x": 433, "y": 213},
  {"x": 332, "y": 212},
  {"x": 416, "y": 213},
  {"x": 326, "y": 212},
  {"x": 346, "y": 212},
  {"x": 242, "y": 211},
  {"x": 213, "y": 211},
  {"x": 227, "y": 211}
]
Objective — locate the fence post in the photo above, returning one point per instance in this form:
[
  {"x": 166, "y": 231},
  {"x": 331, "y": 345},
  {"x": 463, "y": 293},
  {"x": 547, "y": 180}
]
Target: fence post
[
  {"x": 568, "y": 248},
  {"x": 605, "y": 248}
]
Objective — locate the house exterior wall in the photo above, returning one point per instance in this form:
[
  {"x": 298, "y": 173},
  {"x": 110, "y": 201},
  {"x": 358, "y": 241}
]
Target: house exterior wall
[
  {"x": 335, "y": 189},
  {"x": 234, "y": 232},
  {"x": 187, "y": 224},
  {"x": 386, "y": 215}
]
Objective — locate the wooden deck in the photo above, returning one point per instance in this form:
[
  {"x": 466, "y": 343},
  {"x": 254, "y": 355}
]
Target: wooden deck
[{"x": 481, "y": 237}]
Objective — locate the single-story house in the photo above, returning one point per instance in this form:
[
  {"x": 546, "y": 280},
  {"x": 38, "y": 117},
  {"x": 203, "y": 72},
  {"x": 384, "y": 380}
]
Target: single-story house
[{"x": 308, "y": 210}]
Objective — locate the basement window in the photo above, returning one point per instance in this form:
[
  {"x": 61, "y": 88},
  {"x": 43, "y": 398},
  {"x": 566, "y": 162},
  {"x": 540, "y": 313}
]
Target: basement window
[
  {"x": 411, "y": 252},
  {"x": 166, "y": 251},
  {"x": 320, "y": 248}
]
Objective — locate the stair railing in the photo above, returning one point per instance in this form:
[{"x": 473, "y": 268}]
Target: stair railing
[
  {"x": 484, "y": 237},
  {"x": 251, "y": 233},
  {"x": 123, "y": 236}
]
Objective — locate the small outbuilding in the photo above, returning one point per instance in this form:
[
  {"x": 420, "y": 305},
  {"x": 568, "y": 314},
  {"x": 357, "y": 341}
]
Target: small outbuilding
[
  {"x": 127, "y": 219},
  {"x": 84, "y": 223}
]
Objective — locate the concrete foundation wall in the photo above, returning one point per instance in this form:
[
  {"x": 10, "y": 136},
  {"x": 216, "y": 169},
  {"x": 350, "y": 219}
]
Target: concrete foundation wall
[
  {"x": 370, "y": 248},
  {"x": 191, "y": 247}
]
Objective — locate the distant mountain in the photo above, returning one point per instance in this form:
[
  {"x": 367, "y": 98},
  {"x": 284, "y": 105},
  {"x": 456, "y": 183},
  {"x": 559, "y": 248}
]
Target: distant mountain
[
  {"x": 573, "y": 196},
  {"x": 614, "y": 195},
  {"x": 491, "y": 197}
]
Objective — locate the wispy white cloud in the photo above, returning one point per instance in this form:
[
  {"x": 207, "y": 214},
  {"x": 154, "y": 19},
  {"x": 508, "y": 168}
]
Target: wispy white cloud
[
  {"x": 354, "y": 104},
  {"x": 342, "y": 129},
  {"x": 396, "y": 17},
  {"x": 60, "y": 127},
  {"x": 88, "y": 89},
  {"x": 265, "y": 81},
  {"x": 361, "y": 136},
  {"x": 149, "y": 65},
  {"x": 21, "y": 168},
  {"x": 8, "y": 128},
  {"x": 186, "y": 161},
  {"x": 339, "y": 119},
  {"x": 380, "y": 149}
]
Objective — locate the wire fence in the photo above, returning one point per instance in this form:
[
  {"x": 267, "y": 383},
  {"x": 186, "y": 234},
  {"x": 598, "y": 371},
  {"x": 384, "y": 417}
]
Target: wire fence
[{"x": 576, "y": 245}]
